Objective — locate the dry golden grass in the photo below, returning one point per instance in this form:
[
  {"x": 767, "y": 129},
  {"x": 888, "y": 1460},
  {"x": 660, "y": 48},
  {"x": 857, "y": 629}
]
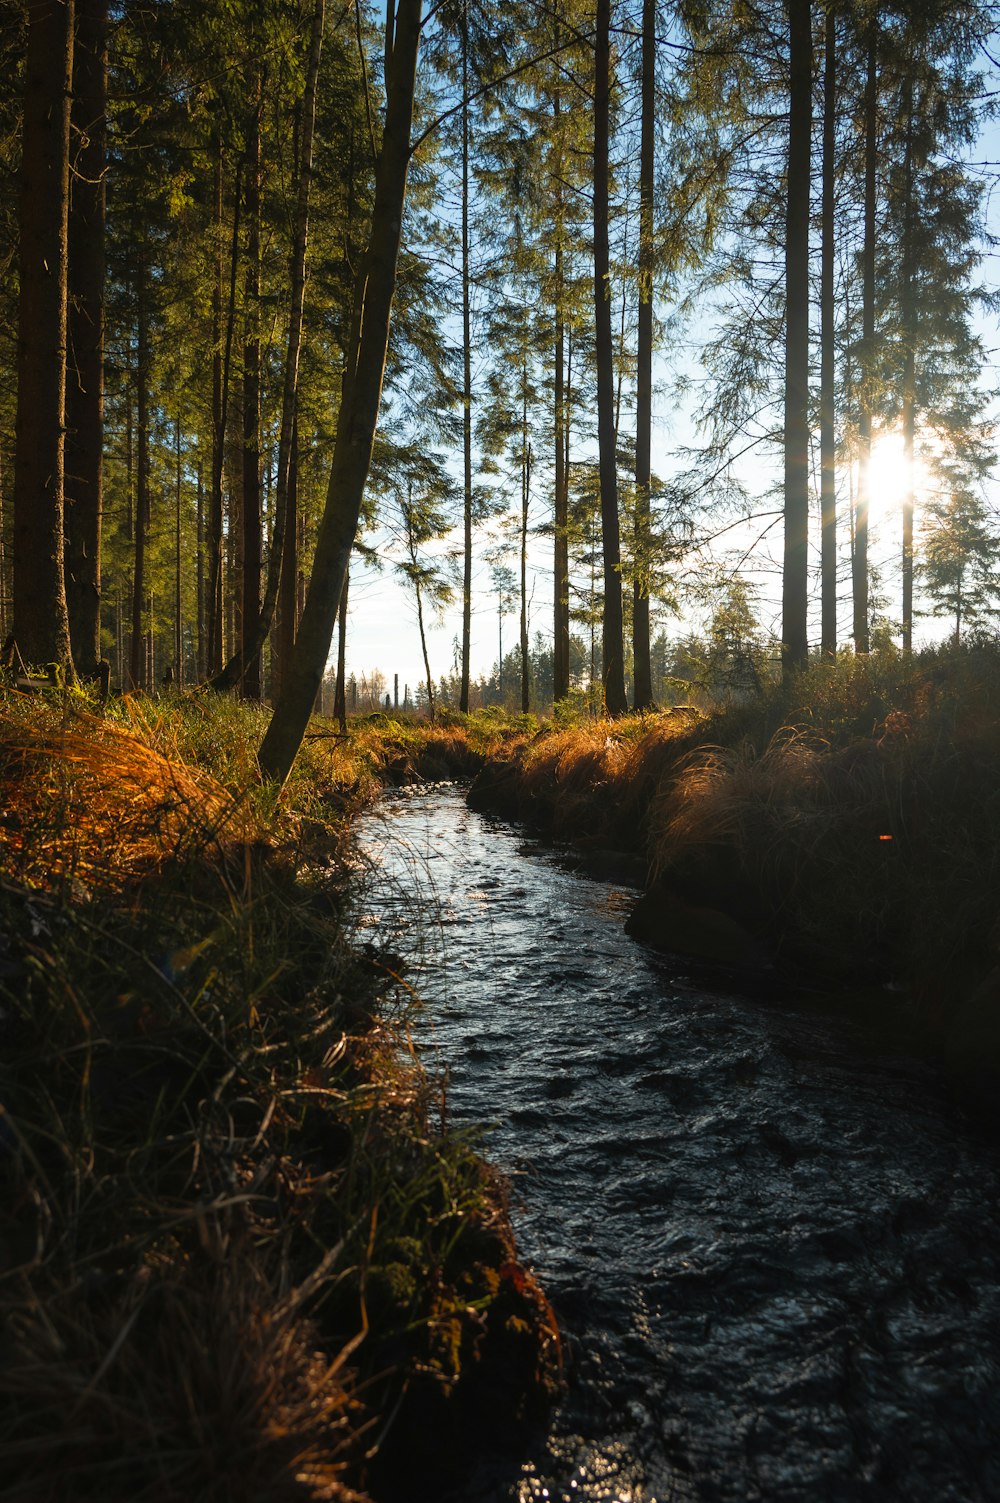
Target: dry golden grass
[{"x": 89, "y": 800}]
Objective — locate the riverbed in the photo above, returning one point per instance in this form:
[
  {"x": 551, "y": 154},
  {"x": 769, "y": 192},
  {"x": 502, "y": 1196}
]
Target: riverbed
[{"x": 771, "y": 1239}]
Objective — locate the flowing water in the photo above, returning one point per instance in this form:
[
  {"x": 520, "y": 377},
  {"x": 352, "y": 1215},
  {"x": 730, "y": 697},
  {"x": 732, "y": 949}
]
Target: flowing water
[{"x": 771, "y": 1240}]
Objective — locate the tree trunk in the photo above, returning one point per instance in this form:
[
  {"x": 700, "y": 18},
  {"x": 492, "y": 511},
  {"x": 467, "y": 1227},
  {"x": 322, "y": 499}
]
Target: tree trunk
[
  {"x": 289, "y": 585},
  {"x": 200, "y": 579},
  {"x": 827, "y": 397},
  {"x": 909, "y": 372},
  {"x": 862, "y": 640},
  {"x": 340, "y": 695},
  {"x": 222, "y": 364},
  {"x": 178, "y": 622},
  {"x": 560, "y": 587},
  {"x": 358, "y": 414},
  {"x": 642, "y": 668},
  {"x": 463, "y": 702},
  {"x": 252, "y": 526},
  {"x": 615, "y": 699},
  {"x": 138, "y": 655},
  {"x": 40, "y": 619},
  {"x": 85, "y": 376},
  {"x": 525, "y": 500},
  {"x": 795, "y": 579},
  {"x": 280, "y": 585}
]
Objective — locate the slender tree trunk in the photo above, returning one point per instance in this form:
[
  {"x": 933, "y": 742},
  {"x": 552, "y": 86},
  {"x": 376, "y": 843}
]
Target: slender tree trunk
[
  {"x": 525, "y": 500},
  {"x": 252, "y": 524},
  {"x": 909, "y": 372},
  {"x": 85, "y": 376},
  {"x": 280, "y": 585},
  {"x": 138, "y": 667},
  {"x": 827, "y": 436},
  {"x": 178, "y": 622},
  {"x": 612, "y": 632},
  {"x": 220, "y": 377},
  {"x": 642, "y": 667},
  {"x": 463, "y": 703},
  {"x": 340, "y": 696},
  {"x": 289, "y": 588},
  {"x": 40, "y": 618},
  {"x": 200, "y": 579},
  {"x": 560, "y": 640},
  {"x": 861, "y": 629},
  {"x": 431, "y": 708},
  {"x": 358, "y": 415},
  {"x": 213, "y": 604},
  {"x": 3, "y": 557},
  {"x": 795, "y": 584}
]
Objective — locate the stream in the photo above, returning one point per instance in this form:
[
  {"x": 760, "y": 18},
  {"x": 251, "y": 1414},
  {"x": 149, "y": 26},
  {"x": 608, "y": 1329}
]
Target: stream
[{"x": 772, "y": 1241}]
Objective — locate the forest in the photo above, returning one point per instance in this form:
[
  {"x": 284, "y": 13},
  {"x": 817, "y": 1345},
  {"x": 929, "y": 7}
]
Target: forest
[{"x": 565, "y": 1068}]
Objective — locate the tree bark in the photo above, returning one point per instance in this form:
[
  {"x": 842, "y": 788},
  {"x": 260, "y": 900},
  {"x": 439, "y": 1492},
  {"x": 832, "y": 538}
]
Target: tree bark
[
  {"x": 463, "y": 702},
  {"x": 642, "y": 667},
  {"x": 358, "y": 415},
  {"x": 222, "y": 365},
  {"x": 252, "y": 524},
  {"x": 340, "y": 694},
  {"x": 560, "y": 585},
  {"x": 178, "y": 620},
  {"x": 40, "y": 618},
  {"x": 280, "y": 584},
  {"x": 615, "y": 699},
  {"x": 85, "y": 375},
  {"x": 862, "y": 641},
  {"x": 909, "y": 372},
  {"x": 827, "y": 397},
  {"x": 795, "y": 579},
  {"x": 138, "y": 654},
  {"x": 525, "y": 500}
]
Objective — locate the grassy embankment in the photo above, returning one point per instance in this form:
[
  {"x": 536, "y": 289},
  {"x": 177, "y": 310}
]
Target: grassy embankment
[
  {"x": 851, "y": 824},
  {"x": 238, "y": 1257}
]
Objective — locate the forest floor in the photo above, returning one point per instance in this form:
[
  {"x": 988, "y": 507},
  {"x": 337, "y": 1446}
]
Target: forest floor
[{"x": 240, "y": 1255}]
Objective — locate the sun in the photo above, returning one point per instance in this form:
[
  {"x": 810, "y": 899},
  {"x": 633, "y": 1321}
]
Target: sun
[{"x": 887, "y": 474}]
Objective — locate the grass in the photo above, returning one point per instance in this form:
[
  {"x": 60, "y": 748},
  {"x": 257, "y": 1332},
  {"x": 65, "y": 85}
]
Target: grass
[
  {"x": 235, "y": 1241},
  {"x": 852, "y": 819}
]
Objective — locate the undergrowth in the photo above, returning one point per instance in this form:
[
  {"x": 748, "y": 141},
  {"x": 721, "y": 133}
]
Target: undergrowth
[{"x": 233, "y": 1239}]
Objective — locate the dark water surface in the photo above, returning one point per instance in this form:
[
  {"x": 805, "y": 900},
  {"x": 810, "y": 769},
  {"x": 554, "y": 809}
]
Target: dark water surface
[{"x": 772, "y": 1245}]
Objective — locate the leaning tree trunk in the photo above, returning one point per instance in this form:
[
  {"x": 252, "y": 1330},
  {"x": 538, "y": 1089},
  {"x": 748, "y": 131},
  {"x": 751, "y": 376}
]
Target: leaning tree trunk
[
  {"x": 644, "y": 371},
  {"x": 280, "y": 585},
  {"x": 795, "y": 577},
  {"x": 827, "y": 395},
  {"x": 359, "y": 407},
  {"x": 615, "y": 698},
  {"x": 40, "y": 619},
  {"x": 85, "y": 375}
]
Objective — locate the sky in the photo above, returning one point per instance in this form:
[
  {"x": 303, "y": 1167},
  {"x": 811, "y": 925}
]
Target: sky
[{"x": 382, "y": 622}]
